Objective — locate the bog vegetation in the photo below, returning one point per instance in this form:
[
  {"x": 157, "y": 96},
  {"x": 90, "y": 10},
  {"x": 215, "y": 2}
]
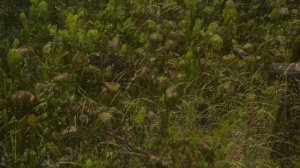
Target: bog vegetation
[{"x": 145, "y": 83}]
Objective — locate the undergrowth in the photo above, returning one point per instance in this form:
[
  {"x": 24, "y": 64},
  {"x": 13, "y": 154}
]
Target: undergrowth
[{"x": 144, "y": 83}]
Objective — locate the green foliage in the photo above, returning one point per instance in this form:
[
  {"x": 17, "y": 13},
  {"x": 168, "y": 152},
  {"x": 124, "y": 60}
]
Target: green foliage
[
  {"x": 230, "y": 16},
  {"x": 92, "y": 35},
  {"x": 16, "y": 43},
  {"x": 212, "y": 27},
  {"x": 140, "y": 116},
  {"x": 191, "y": 64},
  {"x": 47, "y": 49},
  {"x": 197, "y": 28},
  {"x": 216, "y": 42},
  {"x": 141, "y": 83},
  {"x": 23, "y": 18},
  {"x": 42, "y": 8},
  {"x": 14, "y": 60}
]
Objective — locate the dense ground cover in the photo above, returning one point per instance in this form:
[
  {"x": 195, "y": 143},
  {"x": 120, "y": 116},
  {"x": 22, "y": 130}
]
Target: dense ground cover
[{"x": 145, "y": 83}]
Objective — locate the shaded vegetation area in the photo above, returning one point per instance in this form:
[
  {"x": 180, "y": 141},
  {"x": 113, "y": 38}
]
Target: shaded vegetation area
[{"x": 148, "y": 83}]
